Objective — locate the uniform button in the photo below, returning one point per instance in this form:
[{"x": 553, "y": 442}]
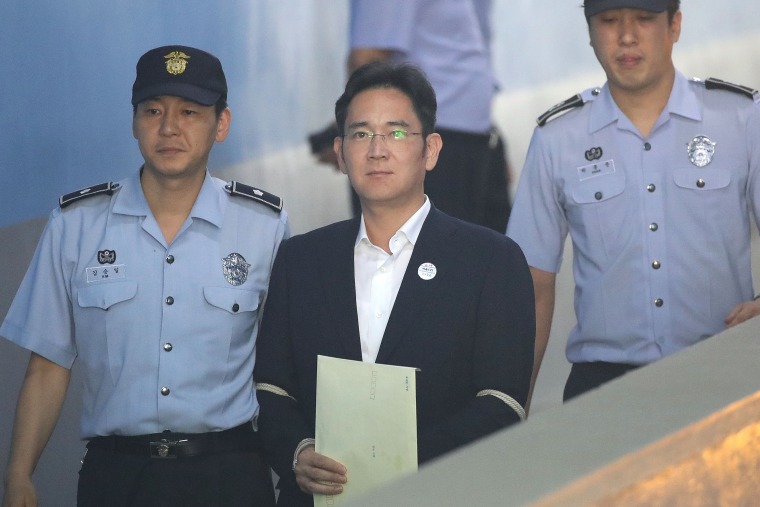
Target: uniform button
[
  {"x": 170, "y": 259},
  {"x": 653, "y": 227},
  {"x": 647, "y": 146},
  {"x": 656, "y": 264},
  {"x": 596, "y": 91},
  {"x": 378, "y": 314},
  {"x": 700, "y": 183},
  {"x": 165, "y": 391},
  {"x": 235, "y": 307},
  {"x": 598, "y": 196},
  {"x": 170, "y": 300},
  {"x": 658, "y": 302},
  {"x": 651, "y": 187},
  {"x": 168, "y": 347}
]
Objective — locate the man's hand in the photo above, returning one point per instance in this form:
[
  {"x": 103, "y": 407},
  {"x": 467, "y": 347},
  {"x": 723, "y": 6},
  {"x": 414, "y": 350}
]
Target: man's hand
[
  {"x": 19, "y": 492},
  {"x": 743, "y": 311},
  {"x": 319, "y": 474}
]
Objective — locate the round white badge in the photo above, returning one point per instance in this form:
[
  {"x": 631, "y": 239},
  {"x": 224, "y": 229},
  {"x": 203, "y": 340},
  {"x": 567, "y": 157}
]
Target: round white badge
[{"x": 427, "y": 271}]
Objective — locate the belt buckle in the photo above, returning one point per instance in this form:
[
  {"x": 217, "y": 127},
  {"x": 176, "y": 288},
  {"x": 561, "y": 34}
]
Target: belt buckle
[{"x": 165, "y": 449}]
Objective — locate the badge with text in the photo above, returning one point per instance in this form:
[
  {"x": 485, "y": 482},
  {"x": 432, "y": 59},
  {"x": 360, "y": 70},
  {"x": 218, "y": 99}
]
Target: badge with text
[
  {"x": 235, "y": 269},
  {"x": 596, "y": 169},
  {"x": 427, "y": 271},
  {"x": 701, "y": 151},
  {"x": 105, "y": 272}
]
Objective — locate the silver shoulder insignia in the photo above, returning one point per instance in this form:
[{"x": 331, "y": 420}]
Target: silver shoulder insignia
[
  {"x": 718, "y": 84},
  {"x": 103, "y": 188},
  {"x": 572, "y": 102},
  {"x": 240, "y": 189}
]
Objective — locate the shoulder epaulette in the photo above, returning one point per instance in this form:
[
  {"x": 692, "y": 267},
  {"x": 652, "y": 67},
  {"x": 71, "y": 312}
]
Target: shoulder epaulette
[
  {"x": 103, "y": 188},
  {"x": 574, "y": 101},
  {"x": 718, "y": 84},
  {"x": 240, "y": 189}
]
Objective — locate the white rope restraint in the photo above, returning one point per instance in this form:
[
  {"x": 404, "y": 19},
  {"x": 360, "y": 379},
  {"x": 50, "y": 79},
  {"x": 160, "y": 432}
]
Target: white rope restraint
[
  {"x": 271, "y": 388},
  {"x": 511, "y": 402},
  {"x": 306, "y": 442}
]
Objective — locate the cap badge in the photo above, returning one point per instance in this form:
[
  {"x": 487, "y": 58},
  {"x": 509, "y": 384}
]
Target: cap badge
[
  {"x": 235, "y": 269},
  {"x": 176, "y": 62},
  {"x": 701, "y": 151}
]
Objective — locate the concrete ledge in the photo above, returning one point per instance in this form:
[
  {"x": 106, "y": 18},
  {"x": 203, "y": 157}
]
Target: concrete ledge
[{"x": 634, "y": 425}]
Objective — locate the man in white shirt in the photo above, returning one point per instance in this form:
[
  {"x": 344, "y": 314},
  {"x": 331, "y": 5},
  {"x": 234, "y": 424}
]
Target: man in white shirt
[{"x": 401, "y": 284}]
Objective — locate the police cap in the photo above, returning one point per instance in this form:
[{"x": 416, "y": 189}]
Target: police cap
[
  {"x": 592, "y": 7},
  {"x": 180, "y": 71}
]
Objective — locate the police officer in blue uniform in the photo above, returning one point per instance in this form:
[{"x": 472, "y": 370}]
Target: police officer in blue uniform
[
  {"x": 654, "y": 176},
  {"x": 155, "y": 284}
]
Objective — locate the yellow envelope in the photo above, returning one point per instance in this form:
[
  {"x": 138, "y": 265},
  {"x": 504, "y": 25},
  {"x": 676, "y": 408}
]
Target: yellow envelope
[{"x": 366, "y": 420}]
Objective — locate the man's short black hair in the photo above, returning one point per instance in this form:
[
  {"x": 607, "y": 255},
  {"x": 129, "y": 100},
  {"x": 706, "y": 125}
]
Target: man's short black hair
[{"x": 406, "y": 78}]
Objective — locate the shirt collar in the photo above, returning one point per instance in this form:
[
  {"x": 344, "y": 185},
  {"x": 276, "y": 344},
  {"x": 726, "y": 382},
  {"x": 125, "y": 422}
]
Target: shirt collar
[
  {"x": 130, "y": 200},
  {"x": 411, "y": 228},
  {"x": 683, "y": 101}
]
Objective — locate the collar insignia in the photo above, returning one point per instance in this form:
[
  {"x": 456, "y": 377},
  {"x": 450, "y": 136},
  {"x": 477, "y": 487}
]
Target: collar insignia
[{"x": 176, "y": 62}]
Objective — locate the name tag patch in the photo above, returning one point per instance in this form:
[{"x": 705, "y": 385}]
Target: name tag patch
[
  {"x": 103, "y": 273},
  {"x": 596, "y": 169}
]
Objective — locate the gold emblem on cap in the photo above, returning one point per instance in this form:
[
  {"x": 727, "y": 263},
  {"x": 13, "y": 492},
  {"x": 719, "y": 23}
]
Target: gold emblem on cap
[{"x": 176, "y": 62}]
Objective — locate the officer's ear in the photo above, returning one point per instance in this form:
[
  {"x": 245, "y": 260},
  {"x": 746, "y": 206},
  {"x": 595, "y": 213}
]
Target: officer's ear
[{"x": 223, "y": 124}]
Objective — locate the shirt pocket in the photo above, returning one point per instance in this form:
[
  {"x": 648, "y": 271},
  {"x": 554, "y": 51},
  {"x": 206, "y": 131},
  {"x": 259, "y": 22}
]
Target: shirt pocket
[
  {"x": 105, "y": 295},
  {"x": 701, "y": 179},
  {"x": 597, "y": 213},
  {"x": 231, "y": 300}
]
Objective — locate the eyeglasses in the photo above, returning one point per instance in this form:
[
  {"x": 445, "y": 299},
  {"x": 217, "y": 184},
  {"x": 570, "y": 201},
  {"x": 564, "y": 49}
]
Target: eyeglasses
[{"x": 394, "y": 137}]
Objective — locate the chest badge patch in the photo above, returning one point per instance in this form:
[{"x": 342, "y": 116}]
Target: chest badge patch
[
  {"x": 701, "y": 151},
  {"x": 594, "y": 153},
  {"x": 235, "y": 269},
  {"x": 106, "y": 256}
]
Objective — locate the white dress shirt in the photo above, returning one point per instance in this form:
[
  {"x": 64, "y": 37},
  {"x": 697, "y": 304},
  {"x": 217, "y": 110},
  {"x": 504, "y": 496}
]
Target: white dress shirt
[{"x": 378, "y": 276}]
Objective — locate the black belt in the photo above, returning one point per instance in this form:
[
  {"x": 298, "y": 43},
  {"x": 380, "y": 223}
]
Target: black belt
[{"x": 169, "y": 445}]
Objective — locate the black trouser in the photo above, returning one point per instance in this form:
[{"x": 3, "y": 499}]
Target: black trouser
[
  {"x": 225, "y": 471},
  {"x": 586, "y": 376}
]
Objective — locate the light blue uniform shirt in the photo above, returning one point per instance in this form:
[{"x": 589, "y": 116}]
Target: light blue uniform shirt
[
  {"x": 661, "y": 246},
  {"x": 165, "y": 340},
  {"x": 448, "y": 39}
]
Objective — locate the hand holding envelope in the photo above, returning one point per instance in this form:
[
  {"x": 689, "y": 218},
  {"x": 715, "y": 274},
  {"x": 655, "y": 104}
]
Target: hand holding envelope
[{"x": 366, "y": 420}]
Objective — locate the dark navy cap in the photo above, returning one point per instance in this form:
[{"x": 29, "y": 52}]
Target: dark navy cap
[
  {"x": 592, "y": 7},
  {"x": 180, "y": 71}
]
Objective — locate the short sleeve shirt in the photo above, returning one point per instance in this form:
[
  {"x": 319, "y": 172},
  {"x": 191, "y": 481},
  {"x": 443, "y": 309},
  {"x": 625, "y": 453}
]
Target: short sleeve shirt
[
  {"x": 660, "y": 226},
  {"x": 164, "y": 334}
]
